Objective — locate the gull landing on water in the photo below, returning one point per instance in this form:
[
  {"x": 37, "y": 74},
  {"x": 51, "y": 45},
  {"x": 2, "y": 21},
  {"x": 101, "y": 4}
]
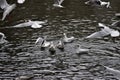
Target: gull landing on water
[
  {"x": 105, "y": 31},
  {"x": 6, "y": 7},
  {"x": 57, "y": 3},
  {"x": 20, "y": 1}
]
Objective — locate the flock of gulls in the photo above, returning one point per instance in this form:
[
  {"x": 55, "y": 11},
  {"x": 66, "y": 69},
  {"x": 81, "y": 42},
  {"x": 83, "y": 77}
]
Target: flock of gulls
[{"x": 42, "y": 41}]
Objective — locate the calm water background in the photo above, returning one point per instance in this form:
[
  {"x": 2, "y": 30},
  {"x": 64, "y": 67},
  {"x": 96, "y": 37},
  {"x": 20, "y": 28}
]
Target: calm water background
[{"x": 22, "y": 57}]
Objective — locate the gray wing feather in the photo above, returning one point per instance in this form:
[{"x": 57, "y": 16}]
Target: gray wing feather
[{"x": 3, "y": 4}]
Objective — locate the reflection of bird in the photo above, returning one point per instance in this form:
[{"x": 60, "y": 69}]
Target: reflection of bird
[
  {"x": 52, "y": 48},
  {"x": 98, "y": 2},
  {"x": 33, "y": 24},
  {"x": 2, "y": 38},
  {"x": 60, "y": 45},
  {"x": 116, "y": 73},
  {"x": 80, "y": 50},
  {"x": 57, "y": 3},
  {"x": 105, "y": 31},
  {"x": 20, "y": 1},
  {"x": 68, "y": 40},
  {"x": 6, "y": 7}
]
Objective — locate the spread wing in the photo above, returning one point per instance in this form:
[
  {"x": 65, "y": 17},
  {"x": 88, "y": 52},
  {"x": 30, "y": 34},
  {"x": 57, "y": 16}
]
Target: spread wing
[
  {"x": 3, "y": 4},
  {"x": 60, "y": 1}
]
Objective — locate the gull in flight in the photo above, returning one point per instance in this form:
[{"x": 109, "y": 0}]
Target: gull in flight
[
  {"x": 6, "y": 7},
  {"x": 57, "y": 3},
  {"x": 98, "y": 2},
  {"x": 115, "y": 72},
  {"x": 20, "y": 1},
  {"x": 105, "y": 31},
  {"x": 33, "y": 24}
]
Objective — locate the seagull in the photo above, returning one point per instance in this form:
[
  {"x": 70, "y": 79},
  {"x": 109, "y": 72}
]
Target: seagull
[
  {"x": 33, "y": 24},
  {"x": 105, "y": 31},
  {"x": 42, "y": 42},
  {"x": 52, "y": 48},
  {"x": 80, "y": 50},
  {"x": 66, "y": 39},
  {"x": 57, "y": 3},
  {"x": 6, "y": 7},
  {"x": 2, "y": 38},
  {"x": 115, "y": 72},
  {"x": 20, "y": 1},
  {"x": 98, "y": 2}
]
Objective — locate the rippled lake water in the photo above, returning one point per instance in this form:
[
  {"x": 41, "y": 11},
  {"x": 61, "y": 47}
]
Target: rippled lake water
[{"x": 76, "y": 19}]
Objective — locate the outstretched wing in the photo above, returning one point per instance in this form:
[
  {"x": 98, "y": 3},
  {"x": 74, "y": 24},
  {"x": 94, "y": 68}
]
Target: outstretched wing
[
  {"x": 3, "y": 4},
  {"x": 60, "y": 2},
  {"x": 39, "y": 41}
]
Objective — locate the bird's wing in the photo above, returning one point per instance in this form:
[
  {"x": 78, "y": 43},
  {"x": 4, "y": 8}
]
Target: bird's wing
[
  {"x": 23, "y": 25},
  {"x": 60, "y": 2},
  {"x": 3, "y": 4},
  {"x": 98, "y": 34},
  {"x": 39, "y": 40},
  {"x": 95, "y": 35}
]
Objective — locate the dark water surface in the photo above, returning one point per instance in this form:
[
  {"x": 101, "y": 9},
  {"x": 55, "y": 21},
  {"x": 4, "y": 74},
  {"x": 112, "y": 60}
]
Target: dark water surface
[{"x": 22, "y": 57}]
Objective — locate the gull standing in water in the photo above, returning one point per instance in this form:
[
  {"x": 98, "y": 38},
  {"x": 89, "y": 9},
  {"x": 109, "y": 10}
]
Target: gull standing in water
[
  {"x": 80, "y": 50},
  {"x": 6, "y": 7},
  {"x": 20, "y": 1},
  {"x": 33, "y": 24},
  {"x": 68, "y": 39},
  {"x": 105, "y": 31},
  {"x": 57, "y": 3}
]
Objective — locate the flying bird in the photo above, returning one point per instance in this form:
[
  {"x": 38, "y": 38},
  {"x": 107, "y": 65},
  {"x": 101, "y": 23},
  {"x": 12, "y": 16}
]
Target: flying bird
[
  {"x": 32, "y": 24},
  {"x": 57, "y": 3},
  {"x": 6, "y": 7},
  {"x": 105, "y": 31}
]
